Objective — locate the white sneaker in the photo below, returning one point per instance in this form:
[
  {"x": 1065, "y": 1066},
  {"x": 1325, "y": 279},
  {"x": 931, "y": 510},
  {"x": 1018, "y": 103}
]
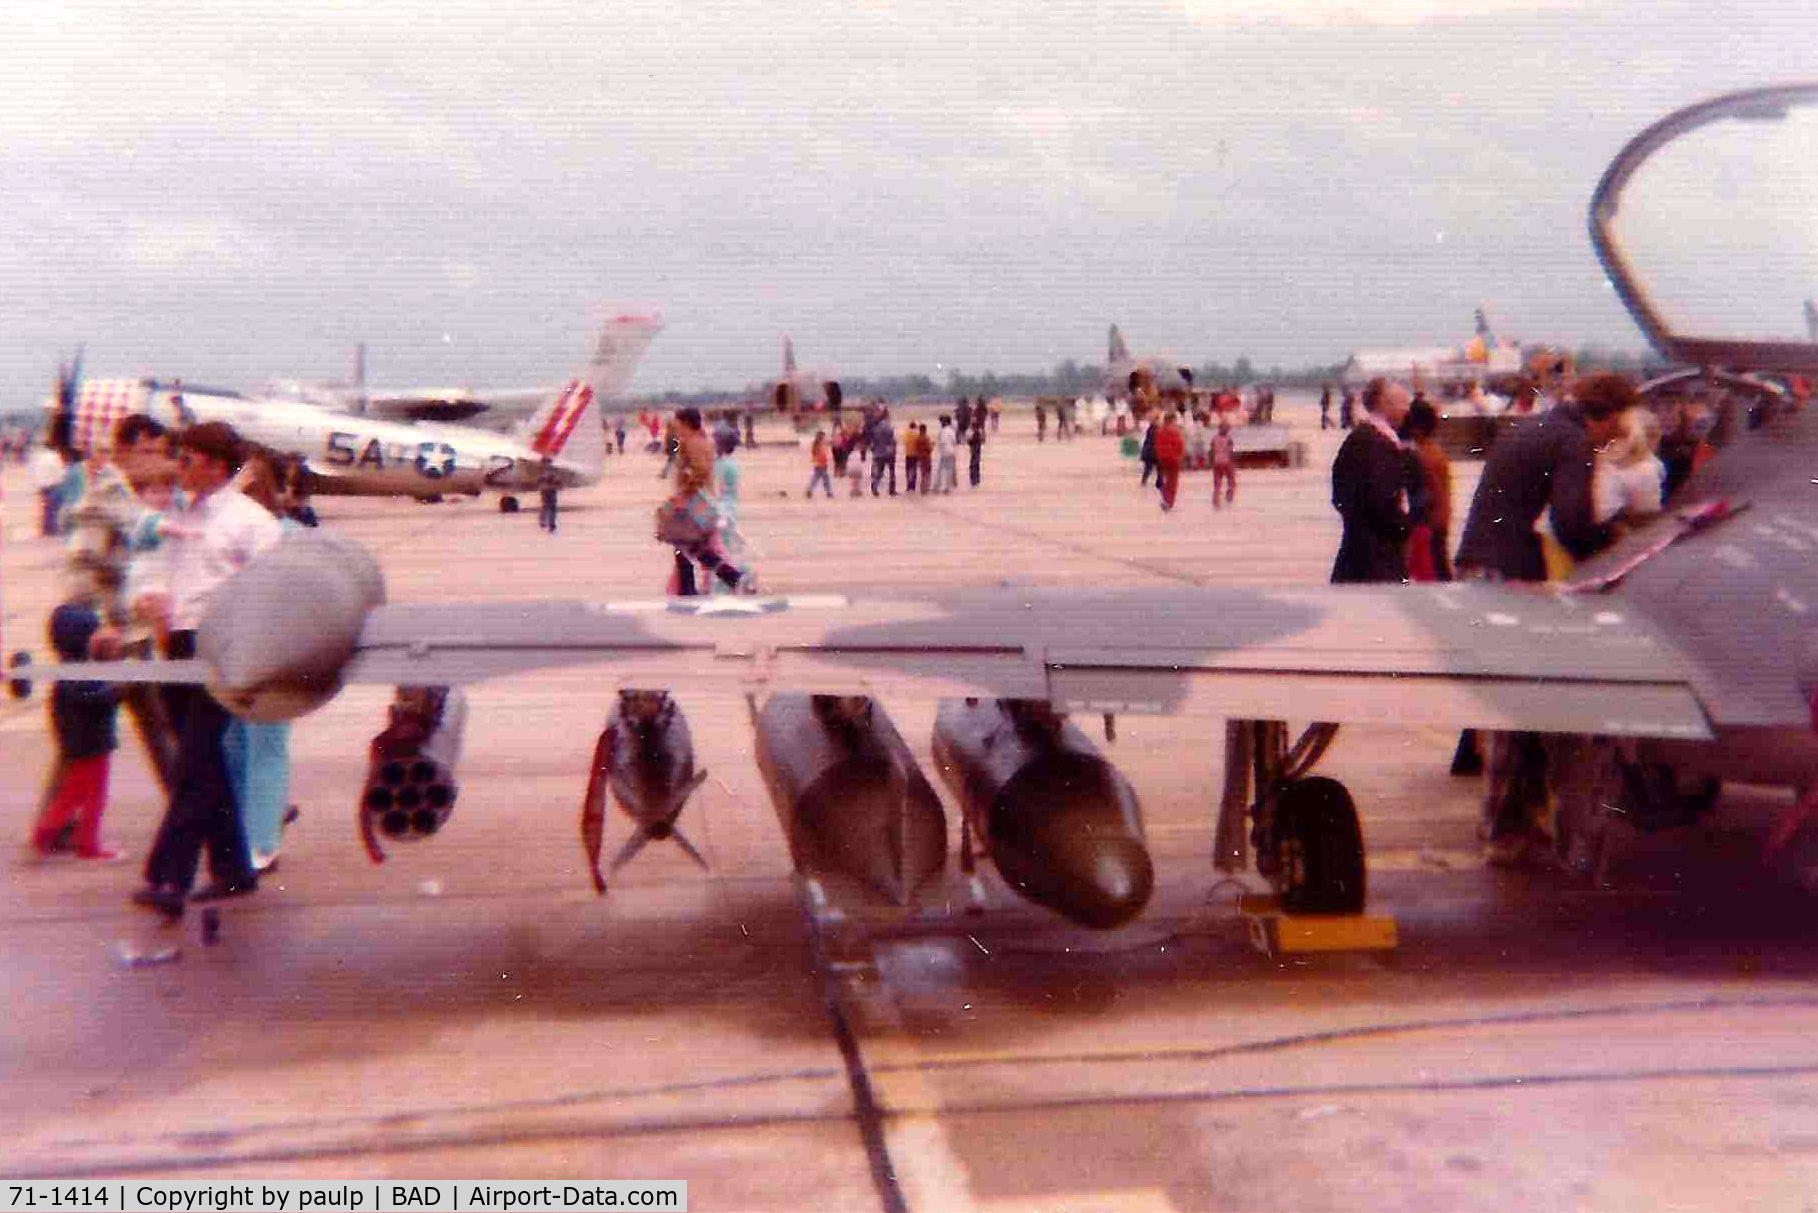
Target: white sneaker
[{"x": 748, "y": 584}]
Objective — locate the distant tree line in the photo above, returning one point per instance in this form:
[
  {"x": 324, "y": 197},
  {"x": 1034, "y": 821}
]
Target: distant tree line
[{"x": 1066, "y": 378}]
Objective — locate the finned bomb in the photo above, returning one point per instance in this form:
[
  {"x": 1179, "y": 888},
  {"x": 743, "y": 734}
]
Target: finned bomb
[
  {"x": 858, "y": 812},
  {"x": 645, "y": 756},
  {"x": 1060, "y": 822}
]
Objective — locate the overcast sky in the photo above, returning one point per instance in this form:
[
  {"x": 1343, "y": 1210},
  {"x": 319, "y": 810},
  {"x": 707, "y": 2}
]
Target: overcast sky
[{"x": 232, "y": 193}]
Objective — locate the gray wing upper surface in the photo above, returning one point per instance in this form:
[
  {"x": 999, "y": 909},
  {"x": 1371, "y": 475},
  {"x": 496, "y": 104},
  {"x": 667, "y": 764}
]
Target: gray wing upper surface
[{"x": 1498, "y": 657}]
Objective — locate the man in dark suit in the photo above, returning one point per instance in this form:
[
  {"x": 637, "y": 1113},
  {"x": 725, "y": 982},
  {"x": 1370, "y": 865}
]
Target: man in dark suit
[
  {"x": 1541, "y": 462},
  {"x": 1370, "y": 490}
]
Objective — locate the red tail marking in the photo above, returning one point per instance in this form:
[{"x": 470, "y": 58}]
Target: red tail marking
[{"x": 556, "y": 431}]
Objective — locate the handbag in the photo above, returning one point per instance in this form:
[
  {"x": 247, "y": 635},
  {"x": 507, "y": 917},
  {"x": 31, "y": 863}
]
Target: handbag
[{"x": 688, "y": 522}]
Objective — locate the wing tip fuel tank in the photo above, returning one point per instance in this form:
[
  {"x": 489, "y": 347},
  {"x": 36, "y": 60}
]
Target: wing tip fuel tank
[{"x": 279, "y": 633}]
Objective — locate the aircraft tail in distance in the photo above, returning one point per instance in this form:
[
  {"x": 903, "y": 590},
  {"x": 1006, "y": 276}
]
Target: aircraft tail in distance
[
  {"x": 1119, "y": 352},
  {"x": 621, "y": 345},
  {"x": 788, "y": 357},
  {"x": 568, "y": 427}
]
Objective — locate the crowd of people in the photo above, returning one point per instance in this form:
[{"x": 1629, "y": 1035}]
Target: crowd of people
[
  {"x": 930, "y": 460},
  {"x": 154, "y": 524}
]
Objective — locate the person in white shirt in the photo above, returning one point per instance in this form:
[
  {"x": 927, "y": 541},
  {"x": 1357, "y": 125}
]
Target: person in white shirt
[
  {"x": 946, "y": 448},
  {"x": 1626, "y": 485},
  {"x": 47, "y": 477},
  {"x": 213, "y": 536}
]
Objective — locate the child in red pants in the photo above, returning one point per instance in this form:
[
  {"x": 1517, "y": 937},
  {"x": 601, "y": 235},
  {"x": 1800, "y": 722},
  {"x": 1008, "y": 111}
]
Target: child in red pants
[{"x": 82, "y": 715}]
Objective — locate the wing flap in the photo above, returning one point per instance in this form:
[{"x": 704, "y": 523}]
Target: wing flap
[{"x": 1443, "y": 701}]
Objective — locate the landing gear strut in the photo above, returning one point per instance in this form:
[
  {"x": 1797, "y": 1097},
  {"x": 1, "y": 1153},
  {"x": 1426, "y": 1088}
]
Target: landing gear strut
[{"x": 1303, "y": 829}]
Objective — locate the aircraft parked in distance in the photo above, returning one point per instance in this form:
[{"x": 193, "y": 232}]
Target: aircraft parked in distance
[
  {"x": 347, "y": 454},
  {"x": 797, "y": 390},
  {"x": 1484, "y": 357},
  {"x": 623, "y": 341},
  {"x": 1147, "y": 377}
]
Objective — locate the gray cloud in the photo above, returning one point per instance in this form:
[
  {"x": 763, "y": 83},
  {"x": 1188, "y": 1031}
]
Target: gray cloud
[{"x": 236, "y": 192}]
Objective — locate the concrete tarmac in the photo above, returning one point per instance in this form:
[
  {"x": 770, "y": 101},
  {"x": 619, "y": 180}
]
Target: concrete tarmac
[{"x": 470, "y": 1009}]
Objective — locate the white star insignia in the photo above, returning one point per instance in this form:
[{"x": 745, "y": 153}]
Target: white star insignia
[{"x": 730, "y": 606}]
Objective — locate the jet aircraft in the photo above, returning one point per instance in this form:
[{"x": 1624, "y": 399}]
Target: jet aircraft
[
  {"x": 801, "y": 390},
  {"x": 346, "y": 454},
  {"x": 1685, "y": 657},
  {"x": 1143, "y": 378}
]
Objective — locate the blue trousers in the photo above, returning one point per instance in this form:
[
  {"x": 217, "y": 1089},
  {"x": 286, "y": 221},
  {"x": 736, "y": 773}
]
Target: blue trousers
[{"x": 258, "y": 766}]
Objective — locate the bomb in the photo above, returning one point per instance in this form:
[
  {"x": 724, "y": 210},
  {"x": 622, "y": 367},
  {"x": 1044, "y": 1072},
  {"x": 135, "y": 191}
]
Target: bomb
[
  {"x": 859, "y": 814},
  {"x": 645, "y": 757},
  {"x": 1060, "y": 822}
]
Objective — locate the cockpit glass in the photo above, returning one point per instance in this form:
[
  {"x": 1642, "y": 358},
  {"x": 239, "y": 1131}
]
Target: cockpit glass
[{"x": 1721, "y": 227}]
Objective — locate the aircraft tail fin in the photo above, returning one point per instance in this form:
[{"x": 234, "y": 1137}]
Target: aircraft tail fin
[
  {"x": 621, "y": 345},
  {"x": 1811, "y": 320},
  {"x": 568, "y": 426},
  {"x": 788, "y": 356},
  {"x": 1119, "y": 352},
  {"x": 358, "y": 382}
]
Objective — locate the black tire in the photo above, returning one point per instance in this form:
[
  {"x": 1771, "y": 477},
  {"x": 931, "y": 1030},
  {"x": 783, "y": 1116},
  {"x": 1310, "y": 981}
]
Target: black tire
[
  {"x": 1318, "y": 847},
  {"x": 508, "y": 504}
]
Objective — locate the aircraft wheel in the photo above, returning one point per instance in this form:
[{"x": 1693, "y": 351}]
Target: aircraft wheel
[
  {"x": 19, "y": 688},
  {"x": 1318, "y": 848},
  {"x": 508, "y": 504}
]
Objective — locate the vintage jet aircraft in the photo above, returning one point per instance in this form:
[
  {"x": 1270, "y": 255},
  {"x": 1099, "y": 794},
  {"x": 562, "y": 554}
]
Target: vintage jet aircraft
[
  {"x": 623, "y": 340},
  {"x": 801, "y": 390},
  {"x": 1683, "y": 658},
  {"x": 345, "y": 454},
  {"x": 1143, "y": 378}
]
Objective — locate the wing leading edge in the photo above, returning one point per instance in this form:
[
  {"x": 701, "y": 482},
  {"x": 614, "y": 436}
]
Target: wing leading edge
[{"x": 1495, "y": 657}]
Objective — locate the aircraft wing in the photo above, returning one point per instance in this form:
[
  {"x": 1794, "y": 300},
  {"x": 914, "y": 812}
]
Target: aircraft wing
[
  {"x": 495, "y": 409},
  {"x": 1494, "y": 657}
]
